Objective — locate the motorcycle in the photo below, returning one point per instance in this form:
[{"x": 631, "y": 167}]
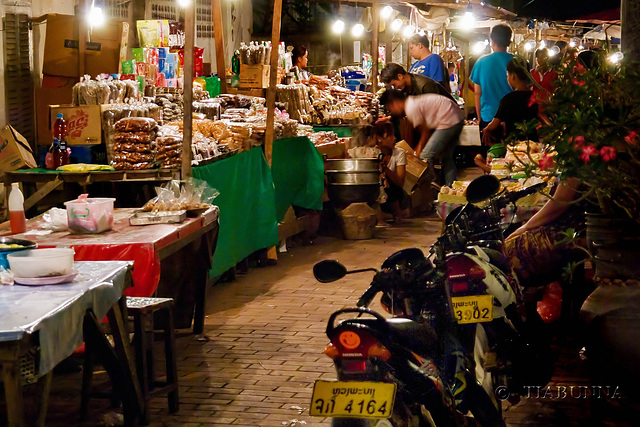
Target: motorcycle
[{"x": 456, "y": 322}]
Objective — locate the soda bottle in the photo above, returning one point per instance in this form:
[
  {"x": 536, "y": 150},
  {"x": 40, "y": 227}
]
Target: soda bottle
[
  {"x": 16, "y": 210},
  {"x": 60, "y": 149}
]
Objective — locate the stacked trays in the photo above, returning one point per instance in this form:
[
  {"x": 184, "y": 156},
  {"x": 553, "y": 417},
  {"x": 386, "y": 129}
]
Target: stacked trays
[{"x": 353, "y": 180}]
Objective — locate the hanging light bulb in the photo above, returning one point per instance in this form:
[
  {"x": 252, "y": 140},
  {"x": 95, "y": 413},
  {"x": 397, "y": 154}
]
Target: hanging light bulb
[
  {"x": 542, "y": 44},
  {"x": 338, "y": 27},
  {"x": 479, "y": 48},
  {"x": 408, "y": 31},
  {"x": 357, "y": 30},
  {"x": 529, "y": 46},
  {"x": 386, "y": 12},
  {"x": 184, "y": 3},
  {"x": 95, "y": 17},
  {"x": 572, "y": 44},
  {"x": 554, "y": 51},
  {"x": 616, "y": 57},
  {"x": 468, "y": 20},
  {"x": 581, "y": 47},
  {"x": 396, "y": 25}
]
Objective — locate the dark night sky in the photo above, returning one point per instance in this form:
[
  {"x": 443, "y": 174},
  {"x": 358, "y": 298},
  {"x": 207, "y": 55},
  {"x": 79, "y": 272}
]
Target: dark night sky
[{"x": 557, "y": 9}]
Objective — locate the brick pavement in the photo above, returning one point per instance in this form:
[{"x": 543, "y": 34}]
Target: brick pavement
[{"x": 265, "y": 339}]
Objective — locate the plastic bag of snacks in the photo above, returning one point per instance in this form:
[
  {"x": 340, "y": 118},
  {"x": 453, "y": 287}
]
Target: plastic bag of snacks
[{"x": 193, "y": 195}]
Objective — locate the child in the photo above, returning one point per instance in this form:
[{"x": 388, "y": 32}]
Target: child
[
  {"x": 363, "y": 144},
  {"x": 393, "y": 167}
]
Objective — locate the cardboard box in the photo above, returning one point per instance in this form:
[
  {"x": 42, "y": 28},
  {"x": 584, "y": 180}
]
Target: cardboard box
[
  {"x": 84, "y": 122},
  {"x": 55, "y": 90},
  {"x": 62, "y": 47},
  {"x": 254, "y": 76},
  {"x": 15, "y": 151}
]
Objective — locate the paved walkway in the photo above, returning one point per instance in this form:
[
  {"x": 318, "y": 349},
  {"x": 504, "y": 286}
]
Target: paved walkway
[{"x": 265, "y": 340}]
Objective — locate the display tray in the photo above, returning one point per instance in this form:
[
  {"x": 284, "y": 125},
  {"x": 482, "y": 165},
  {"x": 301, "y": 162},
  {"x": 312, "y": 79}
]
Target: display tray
[{"x": 148, "y": 218}]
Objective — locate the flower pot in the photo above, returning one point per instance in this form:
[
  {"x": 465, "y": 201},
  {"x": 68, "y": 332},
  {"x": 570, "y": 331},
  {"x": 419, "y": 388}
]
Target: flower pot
[{"x": 615, "y": 244}]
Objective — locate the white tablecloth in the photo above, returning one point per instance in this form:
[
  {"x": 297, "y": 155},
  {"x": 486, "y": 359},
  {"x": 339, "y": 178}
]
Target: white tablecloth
[
  {"x": 470, "y": 136},
  {"x": 56, "y": 312}
]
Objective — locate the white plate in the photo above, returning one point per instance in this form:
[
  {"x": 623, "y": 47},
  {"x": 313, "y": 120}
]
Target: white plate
[{"x": 43, "y": 281}]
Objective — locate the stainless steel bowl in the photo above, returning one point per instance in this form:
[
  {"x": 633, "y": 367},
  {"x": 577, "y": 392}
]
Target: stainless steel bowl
[
  {"x": 352, "y": 165},
  {"x": 350, "y": 193},
  {"x": 360, "y": 177}
]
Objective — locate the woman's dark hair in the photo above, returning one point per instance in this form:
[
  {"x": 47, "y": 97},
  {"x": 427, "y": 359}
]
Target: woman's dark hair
[
  {"x": 384, "y": 129},
  {"x": 542, "y": 51},
  {"x": 390, "y": 72},
  {"x": 501, "y": 35},
  {"x": 589, "y": 59},
  {"x": 519, "y": 68},
  {"x": 418, "y": 39},
  {"x": 391, "y": 95},
  {"x": 297, "y": 53}
]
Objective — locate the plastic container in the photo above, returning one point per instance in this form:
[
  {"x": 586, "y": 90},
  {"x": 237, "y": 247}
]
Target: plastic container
[
  {"x": 42, "y": 262},
  {"x": 17, "y": 218},
  {"x": 358, "y": 221},
  {"x": 90, "y": 215}
]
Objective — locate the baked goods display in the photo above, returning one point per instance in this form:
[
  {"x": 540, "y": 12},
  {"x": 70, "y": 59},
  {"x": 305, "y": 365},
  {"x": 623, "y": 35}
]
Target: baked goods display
[{"x": 133, "y": 144}]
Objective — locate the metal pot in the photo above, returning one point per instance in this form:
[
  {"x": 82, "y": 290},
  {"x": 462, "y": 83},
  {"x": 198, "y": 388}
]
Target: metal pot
[
  {"x": 352, "y": 165},
  {"x": 350, "y": 193},
  {"x": 361, "y": 177}
]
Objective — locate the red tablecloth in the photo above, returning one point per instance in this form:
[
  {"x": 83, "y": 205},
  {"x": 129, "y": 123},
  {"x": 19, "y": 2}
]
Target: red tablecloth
[{"x": 141, "y": 244}]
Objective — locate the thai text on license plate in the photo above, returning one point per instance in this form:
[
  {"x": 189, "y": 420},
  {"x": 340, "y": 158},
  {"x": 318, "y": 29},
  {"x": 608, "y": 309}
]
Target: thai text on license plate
[
  {"x": 352, "y": 399},
  {"x": 473, "y": 309}
]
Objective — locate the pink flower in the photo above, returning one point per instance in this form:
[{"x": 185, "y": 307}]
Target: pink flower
[
  {"x": 608, "y": 153},
  {"x": 587, "y": 152},
  {"x": 579, "y": 82},
  {"x": 578, "y": 141},
  {"x": 632, "y": 138},
  {"x": 545, "y": 162}
]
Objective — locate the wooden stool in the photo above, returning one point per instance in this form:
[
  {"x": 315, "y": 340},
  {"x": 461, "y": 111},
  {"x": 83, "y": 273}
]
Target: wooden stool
[{"x": 143, "y": 311}]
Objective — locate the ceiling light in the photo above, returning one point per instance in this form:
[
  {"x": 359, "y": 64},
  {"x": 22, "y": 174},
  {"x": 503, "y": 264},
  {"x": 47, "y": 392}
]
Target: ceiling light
[
  {"x": 616, "y": 57},
  {"x": 338, "y": 27},
  {"x": 357, "y": 30},
  {"x": 572, "y": 44},
  {"x": 554, "y": 51},
  {"x": 96, "y": 17},
  {"x": 184, "y": 3},
  {"x": 468, "y": 20},
  {"x": 479, "y": 47},
  {"x": 581, "y": 47},
  {"x": 396, "y": 25},
  {"x": 529, "y": 46},
  {"x": 408, "y": 31},
  {"x": 386, "y": 12}
]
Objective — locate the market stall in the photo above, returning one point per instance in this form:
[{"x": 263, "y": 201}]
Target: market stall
[{"x": 48, "y": 323}]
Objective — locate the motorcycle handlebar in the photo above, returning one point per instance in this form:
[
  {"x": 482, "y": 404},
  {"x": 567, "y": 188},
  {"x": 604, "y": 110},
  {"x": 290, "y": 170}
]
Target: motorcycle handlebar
[{"x": 368, "y": 296}]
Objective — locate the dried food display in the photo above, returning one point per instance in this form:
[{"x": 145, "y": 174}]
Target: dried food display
[{"x": 133, "y": 144}]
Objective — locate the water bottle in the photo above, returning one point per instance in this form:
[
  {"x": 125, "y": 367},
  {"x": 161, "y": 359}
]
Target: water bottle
[{"x": 17, "y": 219}]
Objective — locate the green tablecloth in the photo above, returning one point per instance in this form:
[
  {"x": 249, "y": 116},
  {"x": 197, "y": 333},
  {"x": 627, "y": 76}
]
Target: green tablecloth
[
  {"x": 298, "y": 174},
  {"x": 341, "y": 131},
  {"x": 247, "y": 209}
]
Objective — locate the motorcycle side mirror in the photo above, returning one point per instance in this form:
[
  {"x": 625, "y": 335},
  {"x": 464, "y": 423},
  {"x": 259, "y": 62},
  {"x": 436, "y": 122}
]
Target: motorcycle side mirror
[
  {"x": 482, "y": 188},
  {"x": 328, "y": 271}
]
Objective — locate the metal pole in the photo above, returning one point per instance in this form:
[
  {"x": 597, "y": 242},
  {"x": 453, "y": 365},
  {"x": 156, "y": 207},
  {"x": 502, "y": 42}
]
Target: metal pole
[
  {"x": 273, "y": 79},
  {"x": 375, "y": 28},
  {"x": 187, "y": 124}
]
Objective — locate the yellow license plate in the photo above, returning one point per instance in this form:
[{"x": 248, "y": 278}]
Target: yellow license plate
[
  {"x": 352, "y": 399},
  {"x": 473, "y": 309}
]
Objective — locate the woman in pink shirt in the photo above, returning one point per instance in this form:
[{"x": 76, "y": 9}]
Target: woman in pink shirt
[{"x": 437, "y": 113}]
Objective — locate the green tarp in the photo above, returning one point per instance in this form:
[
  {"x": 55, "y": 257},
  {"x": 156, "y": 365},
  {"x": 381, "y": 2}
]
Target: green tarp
[
  {"x": 298, "y": 174},
  {"x": 247, "y": 210}
]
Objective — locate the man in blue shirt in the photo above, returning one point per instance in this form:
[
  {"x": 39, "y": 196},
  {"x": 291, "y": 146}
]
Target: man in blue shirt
[
  {"x": 490, "y": 75},
  {"x": 427, "y": 64}
]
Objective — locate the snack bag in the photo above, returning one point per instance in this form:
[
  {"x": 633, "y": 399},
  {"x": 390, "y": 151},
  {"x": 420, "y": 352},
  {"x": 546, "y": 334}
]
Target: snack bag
[{"x": 148, "y": 33}]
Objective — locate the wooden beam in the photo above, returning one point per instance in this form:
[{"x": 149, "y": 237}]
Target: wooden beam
[
  {"x": 273, "y": 78},
  {"x": 187, "y": 124},
  {"x": 375, "y": 41},
  {"x": 42, "y": 193},
  {"x": 218, "y": 34}
]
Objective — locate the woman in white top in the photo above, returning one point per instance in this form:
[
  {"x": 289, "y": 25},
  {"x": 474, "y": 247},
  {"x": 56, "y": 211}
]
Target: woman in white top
[{"x": 437, "y": 113}]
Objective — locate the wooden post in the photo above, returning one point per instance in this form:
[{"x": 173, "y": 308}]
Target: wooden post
[
  {"x": 187, "y": 124},
  {"x": 273, "y": 79},
  {"x": 375, "y": 28},
  {"x": 216, "y": 12},
  {"x": 83, "y": 11}
]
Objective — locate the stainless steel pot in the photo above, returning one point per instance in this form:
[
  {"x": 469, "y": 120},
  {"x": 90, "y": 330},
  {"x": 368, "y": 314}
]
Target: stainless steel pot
[
  {"x": 352, "y": 165},
  {"x": 350, "y": 193},
  {"x": 359, "y": 177}
]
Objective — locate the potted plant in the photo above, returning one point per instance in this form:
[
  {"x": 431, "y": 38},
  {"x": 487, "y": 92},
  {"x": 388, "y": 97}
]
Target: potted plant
[{"x": 591, "y": 127}]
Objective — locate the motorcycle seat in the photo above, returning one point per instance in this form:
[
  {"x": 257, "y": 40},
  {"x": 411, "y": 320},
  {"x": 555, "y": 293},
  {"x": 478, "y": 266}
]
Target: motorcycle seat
[{"x": 418, "y": 337}]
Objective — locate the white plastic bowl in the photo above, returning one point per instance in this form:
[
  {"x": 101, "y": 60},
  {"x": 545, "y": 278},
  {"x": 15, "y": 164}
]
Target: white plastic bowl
[{"x": 42, "y": 262}]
